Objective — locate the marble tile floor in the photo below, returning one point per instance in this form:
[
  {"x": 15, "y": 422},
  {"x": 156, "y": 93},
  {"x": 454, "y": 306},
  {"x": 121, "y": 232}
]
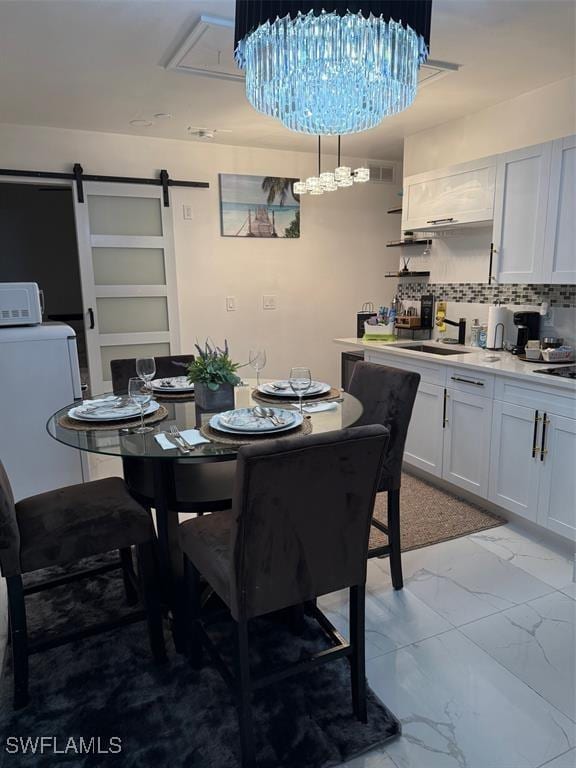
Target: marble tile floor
[{"x": 476, "y": 656}]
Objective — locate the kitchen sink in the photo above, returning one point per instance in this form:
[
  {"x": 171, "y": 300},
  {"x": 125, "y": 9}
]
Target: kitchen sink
[{"x": 430, "y": 350}]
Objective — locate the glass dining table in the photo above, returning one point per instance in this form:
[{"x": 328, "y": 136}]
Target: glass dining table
[{"x": 157, "y": 465}]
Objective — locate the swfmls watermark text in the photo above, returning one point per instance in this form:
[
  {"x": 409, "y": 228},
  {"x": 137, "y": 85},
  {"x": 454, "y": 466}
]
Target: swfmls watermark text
[{"x": 57, "y": 745}]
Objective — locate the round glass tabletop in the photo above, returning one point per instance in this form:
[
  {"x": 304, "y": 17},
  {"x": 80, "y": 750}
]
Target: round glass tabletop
[{"x": 184, "y": 414}]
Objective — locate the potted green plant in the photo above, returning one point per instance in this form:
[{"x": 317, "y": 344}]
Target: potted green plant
[{"x": 214, "y": 376}]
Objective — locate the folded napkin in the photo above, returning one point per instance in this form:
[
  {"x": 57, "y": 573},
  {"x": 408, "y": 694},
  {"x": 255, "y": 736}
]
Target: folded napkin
[
  {"x": 317, "y": 407},
  {"x": 106, "y": 406},
  {"x": 191, "y": 436},
  {"x": 100, "y": 401}
]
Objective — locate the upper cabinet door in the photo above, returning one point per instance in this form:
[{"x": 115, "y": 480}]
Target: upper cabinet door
[
  {"x": 560, "y": 254},
  {"x": 450, "y": 197},
  {"x": 521, "y": 201}
]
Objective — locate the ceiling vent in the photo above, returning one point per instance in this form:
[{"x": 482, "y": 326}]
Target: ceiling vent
[
  {"x": 208, "y": 49},
  {"x": 381, "y": 173}
]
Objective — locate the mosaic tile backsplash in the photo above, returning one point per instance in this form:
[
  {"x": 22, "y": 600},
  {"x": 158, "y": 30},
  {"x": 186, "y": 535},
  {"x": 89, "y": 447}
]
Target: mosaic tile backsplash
[{"x": 480, "y": 293}]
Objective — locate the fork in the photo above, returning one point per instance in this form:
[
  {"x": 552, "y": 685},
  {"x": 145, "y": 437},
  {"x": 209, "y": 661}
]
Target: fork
[{"x": 174, "y": 433}]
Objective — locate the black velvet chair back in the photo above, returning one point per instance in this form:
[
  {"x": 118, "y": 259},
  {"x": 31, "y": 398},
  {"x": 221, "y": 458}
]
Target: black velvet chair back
[
  {"x": 302, "y": 508},
  {"x": 387, "y": 396},
  {"x": 124, "y": 370},
  {"x": 9, "y": 532}
]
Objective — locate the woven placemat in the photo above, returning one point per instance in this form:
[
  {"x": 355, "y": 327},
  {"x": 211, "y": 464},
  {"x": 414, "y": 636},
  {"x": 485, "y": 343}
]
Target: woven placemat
[
  {"x": 218, "y": 437},
  {"x": 333, "y": 394},
  {"x": 168, "y": 397},
  {"x": 89, "y": 426}
]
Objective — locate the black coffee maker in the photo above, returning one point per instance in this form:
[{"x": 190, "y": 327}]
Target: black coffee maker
[{"x": 528, "y": 324}]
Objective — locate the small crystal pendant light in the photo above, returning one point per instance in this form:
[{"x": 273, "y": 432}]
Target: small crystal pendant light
[
  {"x": 328, "y": 182},
  {"x": 361, "y": 175}
]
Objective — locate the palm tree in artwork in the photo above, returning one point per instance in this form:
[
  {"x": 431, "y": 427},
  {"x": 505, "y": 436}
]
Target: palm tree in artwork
[{"x": 278, "y": 188}]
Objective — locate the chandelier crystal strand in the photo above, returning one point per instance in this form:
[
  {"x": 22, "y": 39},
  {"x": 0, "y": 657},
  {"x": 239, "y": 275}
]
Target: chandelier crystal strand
[{"x": 330, "y": 74}]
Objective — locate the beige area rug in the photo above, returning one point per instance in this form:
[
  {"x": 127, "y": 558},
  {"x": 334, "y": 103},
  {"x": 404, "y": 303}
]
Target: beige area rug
[{"x": 429, "y": 515}]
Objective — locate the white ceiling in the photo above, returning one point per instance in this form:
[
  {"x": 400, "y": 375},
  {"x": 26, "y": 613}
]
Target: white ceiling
[{"x": 98, "y": 64}]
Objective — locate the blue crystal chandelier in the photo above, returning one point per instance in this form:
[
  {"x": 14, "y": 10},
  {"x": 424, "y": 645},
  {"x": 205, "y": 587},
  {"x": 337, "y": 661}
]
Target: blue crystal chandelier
[{"x": 334, "y": 67}]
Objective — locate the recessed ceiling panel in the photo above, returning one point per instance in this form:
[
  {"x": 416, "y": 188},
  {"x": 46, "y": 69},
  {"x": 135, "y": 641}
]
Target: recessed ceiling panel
[{"x": 208, "y": 50}]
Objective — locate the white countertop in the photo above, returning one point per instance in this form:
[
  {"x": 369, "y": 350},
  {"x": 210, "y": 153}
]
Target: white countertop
[{"x": 471, "y": 359}]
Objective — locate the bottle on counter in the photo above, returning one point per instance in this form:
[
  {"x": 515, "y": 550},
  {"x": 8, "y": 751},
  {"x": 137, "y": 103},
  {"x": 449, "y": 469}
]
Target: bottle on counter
[
  {"x": 475, "y": 333},
  {"x": 483, "y": 337}
]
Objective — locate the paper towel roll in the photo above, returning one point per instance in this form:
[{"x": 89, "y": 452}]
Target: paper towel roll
[{"x": 497, "y": 320}]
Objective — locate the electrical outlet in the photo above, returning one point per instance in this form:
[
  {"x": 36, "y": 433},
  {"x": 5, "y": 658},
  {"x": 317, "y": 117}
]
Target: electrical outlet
[
  {"x": 269, "y": 301},
  {"x": 230, "y": 304},
  {"x": 187, "y": 212}
]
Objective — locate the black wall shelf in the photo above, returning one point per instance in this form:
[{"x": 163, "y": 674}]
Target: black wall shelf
[
  {"x": 395, "y": 210},
  {"x": 407, "y": 273},
  {"x": 406, "y": 243}
]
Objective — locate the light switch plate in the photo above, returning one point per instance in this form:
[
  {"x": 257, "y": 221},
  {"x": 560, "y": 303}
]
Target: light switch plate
[
  {"x": 269, "y": 301},
  {"x": 187, "y": 212},
  {"x": 230, "y": 304}
]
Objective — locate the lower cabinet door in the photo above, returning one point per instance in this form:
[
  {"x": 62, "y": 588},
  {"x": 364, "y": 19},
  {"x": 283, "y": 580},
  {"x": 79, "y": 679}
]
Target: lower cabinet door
[
  {"x": 557, "y": 497},
  {"x": 425, "y": 435},
  {"x": 514, "y": 470},
  {"x": 466, "y": 460}
]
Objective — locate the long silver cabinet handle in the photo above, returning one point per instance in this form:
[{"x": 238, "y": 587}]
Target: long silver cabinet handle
[{"x": 467, "y": 381}]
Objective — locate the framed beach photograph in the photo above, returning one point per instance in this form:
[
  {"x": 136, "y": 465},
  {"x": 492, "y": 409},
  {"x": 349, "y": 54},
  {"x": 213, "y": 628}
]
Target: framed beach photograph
[{"x": 258, "y": 206}]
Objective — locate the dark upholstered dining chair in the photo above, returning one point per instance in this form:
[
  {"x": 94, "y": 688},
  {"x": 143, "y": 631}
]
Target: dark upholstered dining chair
[
  {"x": 61, "y": 527},
  {"x": 298, "y": 529},
  {"x": 197, "y": 488},
  {"x": 387, "y": 396}
]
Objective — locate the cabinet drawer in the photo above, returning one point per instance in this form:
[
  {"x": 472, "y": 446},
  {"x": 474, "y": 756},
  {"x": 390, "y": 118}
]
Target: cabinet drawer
[
  {"x": 551, "y": 399},
  {"x": 472, "y": 382},
  {"x": 429, "y": 373}
]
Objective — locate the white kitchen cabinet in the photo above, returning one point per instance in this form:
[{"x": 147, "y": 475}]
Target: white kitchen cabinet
[
  {"x": 467, "y": 430},
  {"x": 560, "y": 238},
  {"x": 520, "y": 206},
  {"x": 424, "y": 440},
  {"x": 514, "y": 457},
  {"x": 533, "y": 468},
  {"x": 557, "y": 460},
  {"x": 459, "y": 195},
  {"x": 499, "y": 437}
]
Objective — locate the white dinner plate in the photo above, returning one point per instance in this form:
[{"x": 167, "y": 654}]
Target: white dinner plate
[
  {"x": 221, "y": 421},
  {"x": 317, "y": 388},
  {"x": 112, "y": 414},
  {"x": 172, "y": 384}
]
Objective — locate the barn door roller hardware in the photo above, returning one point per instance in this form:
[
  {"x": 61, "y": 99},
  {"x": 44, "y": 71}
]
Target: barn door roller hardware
[{"x": 79, "y": 177}]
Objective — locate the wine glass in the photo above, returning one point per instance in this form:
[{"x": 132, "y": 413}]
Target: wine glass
[
  {"x": 300, "y": 382},
  {"x": 140, "y": 397},
  {"x": 257, "y": 360},
  {"x": 146, "y": 369}
]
